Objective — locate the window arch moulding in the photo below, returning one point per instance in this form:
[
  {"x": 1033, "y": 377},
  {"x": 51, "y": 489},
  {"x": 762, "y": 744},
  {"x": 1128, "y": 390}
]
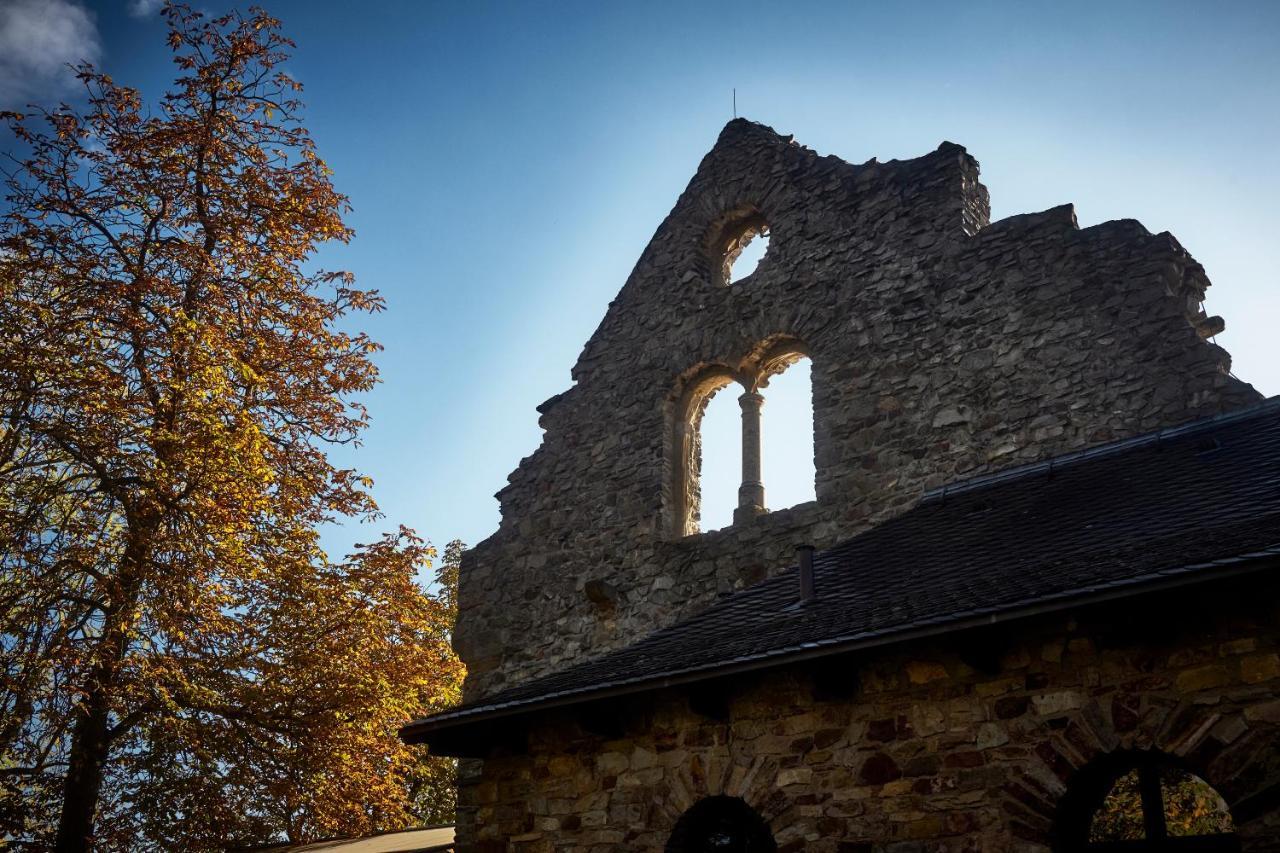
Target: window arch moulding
[
  {"x": 685, "y": 449},
  {"x": 684, "y": 456}
]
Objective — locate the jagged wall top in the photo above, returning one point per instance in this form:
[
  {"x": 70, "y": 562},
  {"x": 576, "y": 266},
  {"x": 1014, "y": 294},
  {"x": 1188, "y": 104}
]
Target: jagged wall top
[{"x": 752, "y": 166}]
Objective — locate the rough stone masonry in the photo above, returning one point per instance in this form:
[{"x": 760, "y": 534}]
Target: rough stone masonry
[
  {"x": 927, "y": 753},
  {"x": 942, "y": 345}
]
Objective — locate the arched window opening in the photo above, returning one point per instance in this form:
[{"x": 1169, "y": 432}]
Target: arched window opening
[
  {"x": 721, "y": 825},
  {"x": 787, "y": 436},
  {"x": 720, "y": 443},
  {"x": 703, "y": 421},
  {"x": 718, "y": 450},
  {"x": 737, "y": 243},
  {"x": 1144, "y": 801},
  {"x": 746, "y": 253}
]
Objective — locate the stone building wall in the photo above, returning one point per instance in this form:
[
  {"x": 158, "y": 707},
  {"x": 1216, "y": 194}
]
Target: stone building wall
[
  {"x": 941, "y": 346},
  {"x": 926, "y": 751}
]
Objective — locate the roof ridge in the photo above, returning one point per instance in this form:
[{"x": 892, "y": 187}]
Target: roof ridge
[{"x": 1017, "y": 472}]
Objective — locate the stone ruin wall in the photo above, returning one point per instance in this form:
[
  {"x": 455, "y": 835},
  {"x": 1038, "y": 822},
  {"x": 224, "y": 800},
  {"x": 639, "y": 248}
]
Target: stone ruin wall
[
  {"x": 942, "y": 346},
  {"x": 931, "y": 751}
]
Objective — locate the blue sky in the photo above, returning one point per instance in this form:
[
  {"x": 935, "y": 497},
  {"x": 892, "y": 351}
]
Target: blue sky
[{"x": 508, "y": 162}]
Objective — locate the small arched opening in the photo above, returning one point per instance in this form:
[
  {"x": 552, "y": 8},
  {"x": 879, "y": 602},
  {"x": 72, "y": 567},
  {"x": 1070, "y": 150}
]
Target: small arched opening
[
  {"x": 1135, "y": 801},
  {"x": 721, "y": 825},
  {"x": 746, "y": 254},
  {"x": 738, "y": 243}
]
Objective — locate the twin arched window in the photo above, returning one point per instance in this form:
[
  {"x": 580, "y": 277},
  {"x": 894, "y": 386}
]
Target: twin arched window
[{"x": 777, "y": 440}]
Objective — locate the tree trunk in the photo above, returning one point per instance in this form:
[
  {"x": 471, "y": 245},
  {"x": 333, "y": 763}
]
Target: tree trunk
[
  {"x": 91, "y": 736},
  {"x": 90, "y": 746}
]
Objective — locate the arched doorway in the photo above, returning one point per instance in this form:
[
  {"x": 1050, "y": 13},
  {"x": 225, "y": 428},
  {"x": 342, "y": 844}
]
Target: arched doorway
[{"x": 721, "y": 825}]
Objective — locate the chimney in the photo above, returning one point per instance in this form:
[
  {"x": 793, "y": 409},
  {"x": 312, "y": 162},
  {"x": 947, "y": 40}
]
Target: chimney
[{"x": 805, "y": 554}]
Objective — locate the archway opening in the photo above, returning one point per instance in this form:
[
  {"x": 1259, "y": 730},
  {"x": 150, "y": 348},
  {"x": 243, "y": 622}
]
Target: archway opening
[
  {"x": 1143, "y": 801},
  {"x": 787, "y": 436},
  {"x": 721, "y": 825}
]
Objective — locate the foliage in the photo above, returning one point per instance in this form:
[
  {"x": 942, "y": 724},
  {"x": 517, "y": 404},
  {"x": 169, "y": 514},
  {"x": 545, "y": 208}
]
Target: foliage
[
  {"x": 433, "y": 792},
  {"x": 1191, "y": 807},
  {"x": 447, "y": 577},
  {"x": 183, "y": 667}
]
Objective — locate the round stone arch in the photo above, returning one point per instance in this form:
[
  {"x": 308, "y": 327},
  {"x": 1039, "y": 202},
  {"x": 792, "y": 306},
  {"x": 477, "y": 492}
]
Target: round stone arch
[
  {"x": 726, "y": 237},
  {"x": 1234, "y": 750},
  {"x": 748, "y": 180},
  {"x": 1091, "y": 785},
  {"x": 721, "y": 821},
  {"x": 723, "y": 773},
  {"x": 772, "y": 356}
]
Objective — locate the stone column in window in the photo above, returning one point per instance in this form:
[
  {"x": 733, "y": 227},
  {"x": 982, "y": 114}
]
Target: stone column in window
[{"x": 751, "y": 492}]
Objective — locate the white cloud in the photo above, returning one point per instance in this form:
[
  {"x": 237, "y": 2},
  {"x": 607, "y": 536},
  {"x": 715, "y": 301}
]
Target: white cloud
[
  {"x": 38, "y": 38},
  {"x": 144, "y": 8}
]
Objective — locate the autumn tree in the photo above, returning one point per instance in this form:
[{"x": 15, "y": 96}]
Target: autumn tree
[
  {"x": 433, "y": 789},
  {"x": 183, "y": 667}
]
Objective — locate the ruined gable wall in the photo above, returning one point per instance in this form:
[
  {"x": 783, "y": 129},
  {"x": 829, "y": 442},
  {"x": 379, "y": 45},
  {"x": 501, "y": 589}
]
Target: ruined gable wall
[{"x": 941, "y": 346}]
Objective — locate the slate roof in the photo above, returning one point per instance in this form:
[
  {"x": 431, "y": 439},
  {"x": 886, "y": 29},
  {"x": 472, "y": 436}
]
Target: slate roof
[{"x": 1182, "y": 504}]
